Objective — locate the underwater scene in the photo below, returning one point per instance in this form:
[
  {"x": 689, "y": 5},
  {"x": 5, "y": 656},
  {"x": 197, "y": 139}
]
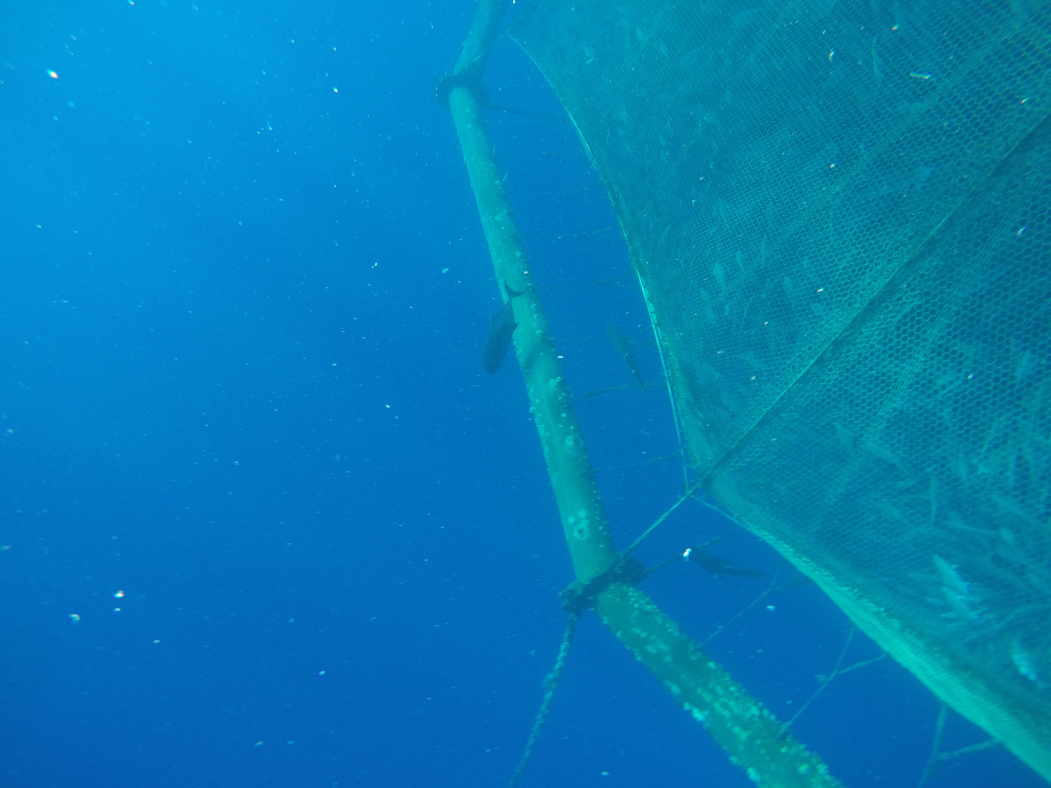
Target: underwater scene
[{"x": 485, "y": 393}]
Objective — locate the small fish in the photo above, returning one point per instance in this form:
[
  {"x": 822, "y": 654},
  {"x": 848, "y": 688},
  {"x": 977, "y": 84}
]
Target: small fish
[
  {"x": 714, "y": 565},
  {"x": 877, "y": 62},
  {"x": 1024, "y": 662},
  {"x": 501, "y": 326},
  {"x": 950, "y": 577},
  {"x": 961, "y": 605},
  {"x": 622, "y": 346}
]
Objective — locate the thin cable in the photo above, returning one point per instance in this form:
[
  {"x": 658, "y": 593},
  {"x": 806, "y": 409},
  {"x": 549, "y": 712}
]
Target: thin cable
[
  {"x": 982, "y": 745},
  {"x": 718, "y": 509},
  {"x": 930, "y": 768},
  {"x": 655, "y": 460},
  {"x": 667, "y": 380},
  {"x": 550, "y": 685},
  {"x": 936, "y": 745},
  {"x": 658, "y": 521},
  {"x": 825, "y": 681},
  {"x": 769, "y": 590},
  {"x": 615, "y": 388}
]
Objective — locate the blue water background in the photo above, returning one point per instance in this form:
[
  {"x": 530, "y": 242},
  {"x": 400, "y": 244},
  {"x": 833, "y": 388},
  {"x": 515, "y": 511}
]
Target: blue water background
[{"x": 243, "y": 292}]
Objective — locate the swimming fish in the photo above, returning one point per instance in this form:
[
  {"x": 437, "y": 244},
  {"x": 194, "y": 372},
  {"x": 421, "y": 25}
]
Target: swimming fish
[
  {"x": 714, "y": 565},
  {"x": 1024, "y": 662},
  {"x": 956, "y": 590},
  {"x": 501, "y": 326},
  {"x": 877, "y": 62},
  {"x": 950, "y": 577},
  {"x": 622, "y": 346}
]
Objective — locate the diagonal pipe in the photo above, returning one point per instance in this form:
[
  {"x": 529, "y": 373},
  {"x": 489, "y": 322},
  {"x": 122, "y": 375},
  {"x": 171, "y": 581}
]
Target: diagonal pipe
[{"x": 750, "y": 734}]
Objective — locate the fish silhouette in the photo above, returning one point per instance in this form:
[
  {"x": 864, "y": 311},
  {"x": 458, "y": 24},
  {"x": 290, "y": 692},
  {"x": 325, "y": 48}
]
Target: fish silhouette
[
  {"x": 622, "y": 346},
  {"x": 501, "y": 326},
  {"x": 715, "y": 566}
]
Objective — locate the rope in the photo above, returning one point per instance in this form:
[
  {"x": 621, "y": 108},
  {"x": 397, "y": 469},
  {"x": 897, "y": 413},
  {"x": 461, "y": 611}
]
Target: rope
[{"x": 550, "y": 685}]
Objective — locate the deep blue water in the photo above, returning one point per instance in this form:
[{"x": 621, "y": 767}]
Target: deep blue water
[{"x": 243, "y": 293}]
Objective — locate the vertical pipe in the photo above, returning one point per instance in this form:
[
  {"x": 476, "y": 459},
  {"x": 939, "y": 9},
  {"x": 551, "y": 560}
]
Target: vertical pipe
[{"x": 550, "y": 401}]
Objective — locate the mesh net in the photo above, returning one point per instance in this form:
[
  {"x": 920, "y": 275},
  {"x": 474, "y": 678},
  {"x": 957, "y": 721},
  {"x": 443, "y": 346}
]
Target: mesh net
[{"x": 840, "y": 213}]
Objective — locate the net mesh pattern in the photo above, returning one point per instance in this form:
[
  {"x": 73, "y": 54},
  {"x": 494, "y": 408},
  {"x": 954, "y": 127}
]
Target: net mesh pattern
[{"x": 841, "y": 216}]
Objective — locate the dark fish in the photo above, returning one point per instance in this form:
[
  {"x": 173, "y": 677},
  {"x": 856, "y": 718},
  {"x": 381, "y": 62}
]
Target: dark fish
[
  {"x": 622, "y": 346},
  {"x": 501, "y": 326},
  {"x": 714, "y": 565}
]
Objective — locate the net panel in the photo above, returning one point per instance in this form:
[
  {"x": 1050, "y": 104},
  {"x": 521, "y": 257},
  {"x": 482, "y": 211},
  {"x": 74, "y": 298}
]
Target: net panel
[{"x": 840, "y": 216}]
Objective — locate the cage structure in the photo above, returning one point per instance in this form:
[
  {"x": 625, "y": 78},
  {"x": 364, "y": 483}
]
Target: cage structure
[{"x": 840, "y": 217}]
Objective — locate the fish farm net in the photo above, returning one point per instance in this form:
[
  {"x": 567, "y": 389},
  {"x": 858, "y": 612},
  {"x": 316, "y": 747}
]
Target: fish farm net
[{"x": 840, "y": 213}]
